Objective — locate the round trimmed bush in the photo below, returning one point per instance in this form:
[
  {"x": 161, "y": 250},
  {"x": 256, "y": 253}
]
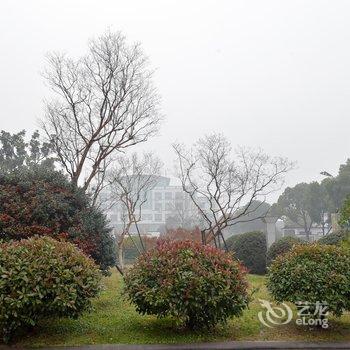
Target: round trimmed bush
[
  {"x": 197, "y": 284},
  {"x": 250, "y": 248},
  {"x": 312, "y": 273},
  {"x": 43, "y": 277},
  {"x": 282, "y": 246}
]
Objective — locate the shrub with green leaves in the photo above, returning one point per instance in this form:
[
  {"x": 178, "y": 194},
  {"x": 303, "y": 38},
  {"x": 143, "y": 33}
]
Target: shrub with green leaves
[
  {"x": 250, "y": 248},
  {"x": 282, "y": 246},
  {"x": 344, "y": 218},
  {"x": 335, "y": 238},
  {"x": 43, "y": 277},
  {"x": 198, "y": 285},
  {"x": 312, "y": 273}
]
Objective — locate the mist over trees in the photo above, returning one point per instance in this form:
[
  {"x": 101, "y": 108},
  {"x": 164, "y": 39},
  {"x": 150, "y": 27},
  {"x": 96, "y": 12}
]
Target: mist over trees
[
  {"x": 224, "y": 184},
  {"x": 307, "y": 204},
  {"x": 103, "y": 103},
  {"x": 252, "y": 221}
]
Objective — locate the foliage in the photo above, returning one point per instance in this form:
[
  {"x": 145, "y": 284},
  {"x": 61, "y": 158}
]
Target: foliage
[
  {"x": 16, "y": 152},
  {"x": 338, "y": 187},
  {"x": 41, "y": 201},
  {"x": 250, "y": 248},
  {"x": 346, "y": 243},
  {"x": 312, "y": 273},
  {"x": 282, "y": 246},
  {"x": 232, "y": 240},
  {"x": 334, "y": 238},
  {"x": 197, "y": 284},
  {"x": 42, "y": 277},
  {"x": 303, "y": 204},
  {"x": 344, "y": 219}
]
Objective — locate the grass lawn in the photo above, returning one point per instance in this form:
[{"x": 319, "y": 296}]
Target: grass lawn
[{"x": 115, "y": 321}]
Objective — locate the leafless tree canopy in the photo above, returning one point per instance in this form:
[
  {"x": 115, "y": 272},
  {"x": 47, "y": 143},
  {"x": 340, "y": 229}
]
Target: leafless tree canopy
[
  {"x": 224, "y": 184},
  {"x": 104, "y": 102},
  {"x": 132, "y": 179},
  {"x": 130, "y": 182}
]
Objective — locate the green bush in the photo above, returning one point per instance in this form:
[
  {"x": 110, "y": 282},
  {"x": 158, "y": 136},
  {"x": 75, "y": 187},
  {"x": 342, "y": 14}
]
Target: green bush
[
  {"x": 312, "y": 273},
  {"x": 344, "y": 218},
  {"x": 250, "y": 248},
  {"x": 42, "y": 277},
  {"x": 282, "y": 246},
  {"x": 346, "y": 244},
  {"x": 198, "y": 285},
  {"x": 335, "y": 238}
]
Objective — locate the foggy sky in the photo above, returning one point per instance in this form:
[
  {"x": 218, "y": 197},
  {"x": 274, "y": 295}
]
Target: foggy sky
[{"x": 269, "y": 74}]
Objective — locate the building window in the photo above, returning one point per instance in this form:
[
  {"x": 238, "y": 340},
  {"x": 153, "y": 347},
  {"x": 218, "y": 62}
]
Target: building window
[
  {"x": 147, "y": 217},
  {"x": 168, "y": 195},
  {"x": 158, "y": 207},
  {"x": 179, "y": 195},
  {"x": 158, "y": 217},
  {"x": 158, "y": 196}
]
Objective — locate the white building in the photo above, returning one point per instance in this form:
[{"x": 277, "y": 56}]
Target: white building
[{"x": 165, "y": 200}]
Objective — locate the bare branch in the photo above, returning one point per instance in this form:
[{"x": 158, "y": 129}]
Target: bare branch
[
  {"x": 104, "y": 103},
  {"x": 225, "y": 188},
  {"x": 130, "y": 181}
]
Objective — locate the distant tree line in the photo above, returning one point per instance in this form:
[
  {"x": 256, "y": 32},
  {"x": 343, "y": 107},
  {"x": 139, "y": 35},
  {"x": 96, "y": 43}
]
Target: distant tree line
[{"x": 307, "y": 204}]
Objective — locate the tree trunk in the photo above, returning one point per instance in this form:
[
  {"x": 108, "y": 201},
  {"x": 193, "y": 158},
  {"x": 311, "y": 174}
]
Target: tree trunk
[{"x": 121, "y": 256}]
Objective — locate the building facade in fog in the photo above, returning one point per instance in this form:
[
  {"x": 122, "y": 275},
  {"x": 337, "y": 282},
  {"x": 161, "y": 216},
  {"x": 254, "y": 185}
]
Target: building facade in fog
[{"x": 165, "y": 202}]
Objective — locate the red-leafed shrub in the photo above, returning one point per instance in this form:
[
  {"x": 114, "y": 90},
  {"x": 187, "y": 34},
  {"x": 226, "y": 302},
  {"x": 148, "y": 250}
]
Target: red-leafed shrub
[
  {"x": 43, "y": 202},
  {"x": 198, "y": 285}
]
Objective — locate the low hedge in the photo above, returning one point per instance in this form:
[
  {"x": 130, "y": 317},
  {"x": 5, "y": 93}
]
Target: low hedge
[
  {"x": 335, "y": 238},
  {"x": 250, "y": 248},
  {"x": 43, "y": 277},
  {"x": 198, "y": 285}
]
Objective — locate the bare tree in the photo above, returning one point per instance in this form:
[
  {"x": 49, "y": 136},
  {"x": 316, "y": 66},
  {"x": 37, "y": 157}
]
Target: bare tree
[
  {"x": 104, "y": 102},
  {"x": 224, "y": 188},
  {"x": 130, "y": 183},
  {"x": 182, "y": 215}
]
